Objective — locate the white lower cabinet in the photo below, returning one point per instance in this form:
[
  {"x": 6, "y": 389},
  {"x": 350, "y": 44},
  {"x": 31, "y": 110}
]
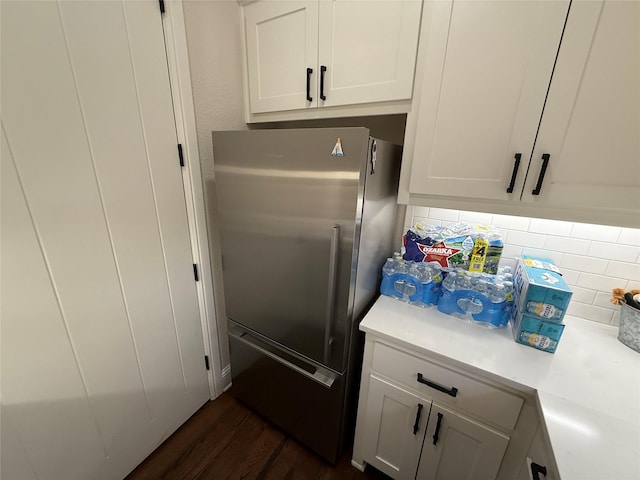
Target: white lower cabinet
[
  {"x": 395, "y": 426},
  {"x": 539, "y": 463},
  {"x": 424, "y": 419},
  {"x": 456, "y": 447}
]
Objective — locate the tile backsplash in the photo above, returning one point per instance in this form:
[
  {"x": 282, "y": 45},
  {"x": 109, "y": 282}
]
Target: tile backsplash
[{"x": 593, "y": 258}]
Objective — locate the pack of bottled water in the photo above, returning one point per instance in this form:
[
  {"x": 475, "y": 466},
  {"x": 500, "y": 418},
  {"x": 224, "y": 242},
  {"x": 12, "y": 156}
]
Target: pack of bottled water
[
  {"x": 413, "y": 282},
  {"x": 472, "y": 247},
  {"x": 484, "y": 299}
]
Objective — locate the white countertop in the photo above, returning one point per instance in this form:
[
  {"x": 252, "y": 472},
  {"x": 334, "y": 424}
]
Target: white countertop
[{"x": 588, "y": 391}]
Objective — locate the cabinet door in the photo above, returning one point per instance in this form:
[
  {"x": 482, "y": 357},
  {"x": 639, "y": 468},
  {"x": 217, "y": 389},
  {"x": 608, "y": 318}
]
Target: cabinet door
[
  {"x": 456, "y": 447},
  {"x": 395, "y": 425},
  {"x": 487, "y": 71},
  {"x": 539, "y": 458},
  {"x": 591, "y": 123},
  {"x": 368, "y": 49},
  {"x": 281, "y": 43}
]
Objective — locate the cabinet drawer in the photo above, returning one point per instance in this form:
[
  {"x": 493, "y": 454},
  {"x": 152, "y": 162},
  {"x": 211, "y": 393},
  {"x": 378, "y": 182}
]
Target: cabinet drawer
[{"x": 464, "y": 392}]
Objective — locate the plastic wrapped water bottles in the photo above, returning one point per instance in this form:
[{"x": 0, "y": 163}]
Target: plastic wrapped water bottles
[
  {"x": 481, "y": 298},
  {"x": 413, "y": 282}
]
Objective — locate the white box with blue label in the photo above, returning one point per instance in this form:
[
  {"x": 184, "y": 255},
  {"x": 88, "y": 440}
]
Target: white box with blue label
[{"x": 541, "y": 300}]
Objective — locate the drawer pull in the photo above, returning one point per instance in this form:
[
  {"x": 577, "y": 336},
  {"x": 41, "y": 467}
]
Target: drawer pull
[
  {"x": 417, "y": 422},
  {"x": 453, "y": 391},
  {"x": 536, "y": 470},
  {"x": 436, "y": 435}
]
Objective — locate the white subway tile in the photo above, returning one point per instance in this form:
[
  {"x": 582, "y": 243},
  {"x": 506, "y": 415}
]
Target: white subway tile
[
  {"x": 583, "y": 295},
  {"x": 525, "y": 239},
  {"x": 541, "y": 253},
  {"x": 421, "y": 211},
  {"x": 567, "y": 245},
  {"x": 425, "y": 221},
  {"x": 603, "y": 300},
  {"x": 444, "y": 214},
  {"x": 550, "y": 227},
  {"x": 613, "y": 251},
  {"x": 603, "y": 233},
  {"x": 615, "y": 321},
  {"x": 630, "y": 236},
  {"x": 570, "y": 276},
  {"x": 511, "y": 251},
  {"x": 584, "y": 263},
  {"x": 590, "y": 312},
  {"x": 511, "y": 222},
  {"x": 630, "y": 271},
  {"x": 476, "y": 217},
  {"x": 633, "y": 285},
  {"x": 600, "y": 282}
]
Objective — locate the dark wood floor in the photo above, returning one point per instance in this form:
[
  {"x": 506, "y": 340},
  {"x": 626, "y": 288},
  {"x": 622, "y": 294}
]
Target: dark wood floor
[{"x": 225, "y": 440}]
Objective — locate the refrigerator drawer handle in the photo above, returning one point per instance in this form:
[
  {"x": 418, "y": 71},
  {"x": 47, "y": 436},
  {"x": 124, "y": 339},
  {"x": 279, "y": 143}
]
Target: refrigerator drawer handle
[
  {"x": 320, "y": 375},
  {"x": 333, "y": 271}
]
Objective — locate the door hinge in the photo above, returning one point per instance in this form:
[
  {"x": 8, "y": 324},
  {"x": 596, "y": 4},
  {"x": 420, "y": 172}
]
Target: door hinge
[
  {"x": 180, "y": 155},
  {"x": 161, "y": 2},
  {"x": 206, "y": 362},
  {"x": 195, "y": 272}
]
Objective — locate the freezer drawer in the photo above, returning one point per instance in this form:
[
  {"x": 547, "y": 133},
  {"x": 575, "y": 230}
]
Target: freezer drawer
[{"x": 298, "y": 395}]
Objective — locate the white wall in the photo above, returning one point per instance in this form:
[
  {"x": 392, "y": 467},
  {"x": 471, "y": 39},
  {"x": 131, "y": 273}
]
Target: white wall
[
  {"x": 593, "y": 258},
  {"x": 215, "y": 60}
]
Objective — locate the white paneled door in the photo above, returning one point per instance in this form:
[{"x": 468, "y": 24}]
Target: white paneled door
[{"x": 102, "y": 351}]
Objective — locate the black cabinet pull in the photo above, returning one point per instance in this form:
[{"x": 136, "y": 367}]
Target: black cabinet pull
[
  {"x": 514, "y": 174},
  {"x": 536, "y": 470},
  {"x": 543, "y": 170},
  {"x": 436, "y": 435},
  {"x": 309, "y": 72},
  {"x": 453, "y": 391},
  {"x": 417, "y": 422},
  {"x": 322, "y": 70}
]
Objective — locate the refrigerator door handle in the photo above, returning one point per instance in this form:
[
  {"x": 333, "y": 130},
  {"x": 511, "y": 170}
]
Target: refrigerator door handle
[
  {"x": 333, "y": 272},
  {"x": 318, "y": 374}
]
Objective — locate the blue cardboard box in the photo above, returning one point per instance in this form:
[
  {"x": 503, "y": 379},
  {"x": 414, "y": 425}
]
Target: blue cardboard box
[
  {"x": 539, "y": 334},
  {"x": 541, "y": 301}
]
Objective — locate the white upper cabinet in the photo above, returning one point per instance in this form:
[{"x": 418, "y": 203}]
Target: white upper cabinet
[
  {"x": 505, "y": 88},
  {"x": 486, "y": 75},
  {"x": 591, "y": 123},
  {"x": 335, "y": 58},
  {"x": 368, "y": 50},
  {"x": 281, "y": 43}
]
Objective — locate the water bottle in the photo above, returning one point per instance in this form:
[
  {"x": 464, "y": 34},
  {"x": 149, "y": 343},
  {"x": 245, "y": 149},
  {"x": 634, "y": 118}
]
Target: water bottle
[
  {"x": 463, "y": 281},
  {"x": 429, "y": 292},
  {"x": 389, "y": 268},
  {"x": 450, "y": 281},
  {"x": 447, "y": 302},
  {"x": 508, "y": 289},
  {"x": 497, "y": 293}
]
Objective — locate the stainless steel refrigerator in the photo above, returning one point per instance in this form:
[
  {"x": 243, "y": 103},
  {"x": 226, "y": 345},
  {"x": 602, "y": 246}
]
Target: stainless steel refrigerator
[{"x": 306, "y": 220}]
